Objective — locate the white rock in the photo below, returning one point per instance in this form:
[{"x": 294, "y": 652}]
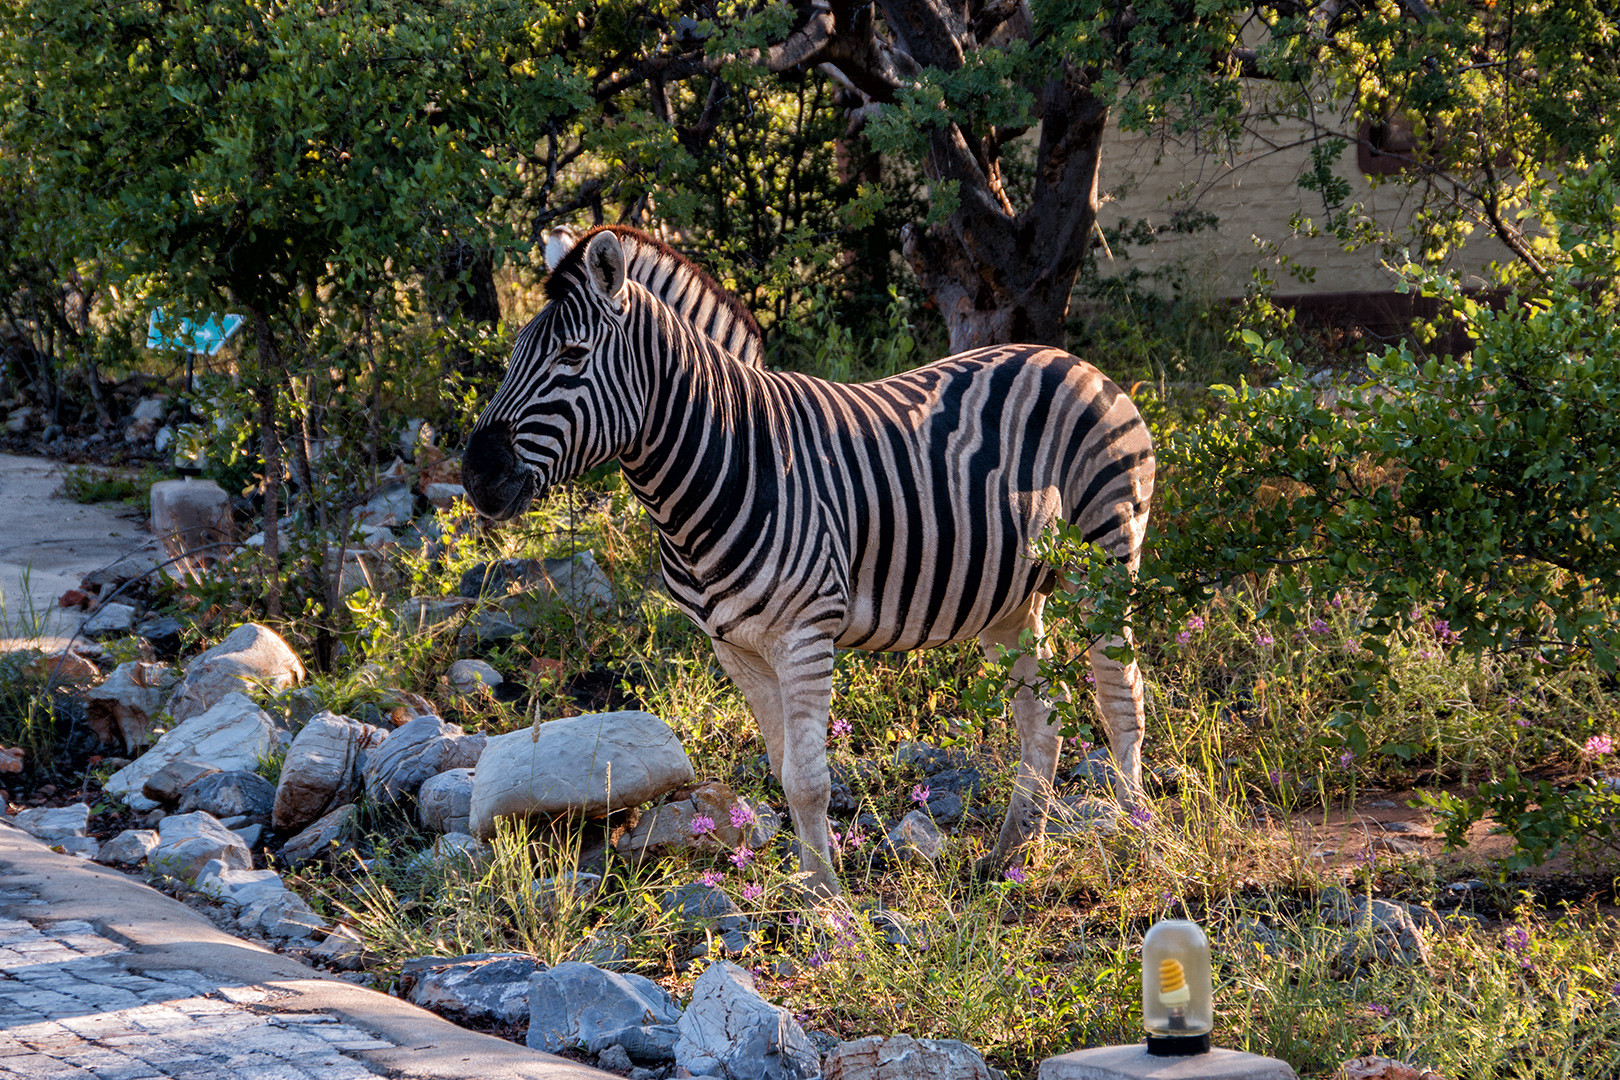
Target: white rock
[
  {"x": 321, "y": 771},
  {"x": 54, "y": 824},
  {"x": 572, "y": 1004},
  {"x": 443, "y": 496},
  {"x": 590, "y": 764},
  {"x": 729, "y": 1031},
  {"x": 193, "y": 520},
  {"x": 110, "y": 620},
  {"x": 411, "y": 753},
  {"x": 281, "y": 915},
  {"x": 151, "y": 408},
  {"x": 189, "y": 842},
  {"x": 234, "y": 734},
  {"x": 128, "y": 848},
  {"x": 917, "y": 838},
  {"x": 126, "y": 705},
  {"x": 238, "y": 887},
  {"x": 444, "y": 801},
  {"x": 900, "y": 1057},
  {"x": 342, "y": 949},
  {"x": 252, "y": 657},
  {"x": 391, "y": 506}
]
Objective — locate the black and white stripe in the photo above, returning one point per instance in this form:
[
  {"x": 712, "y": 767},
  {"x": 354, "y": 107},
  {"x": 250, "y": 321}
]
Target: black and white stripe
[{"x": 796, "y": 516}]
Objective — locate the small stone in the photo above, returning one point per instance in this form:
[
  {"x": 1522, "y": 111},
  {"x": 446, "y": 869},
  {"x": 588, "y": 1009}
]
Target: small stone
[
  {"x": 251, "y": 658},
  {"x": 471, "y": 676},
  {"x": 110, "y": 620},
  {"x": 188, "y": 842},
  {"x": 322, "y": 839},
  {"x": 409, "y": 755},
  {"x": 916, "y": 838},
  {"x": 698, "y": 907},
  {"x": 1396, "y": 845},
  {"x": 645, "y": 1044},
  {"x": 165, "y": 785},
  {"x": 614, "y": 1059},
  {"x": 283, "y": 916},
  {"x": 129, "y": 848},
  {"x": 443, "y": 496},
  {"x": 83, "y": 847},
  {"x": 238, "y": 887},
  {"x": 342, "y": 949}
]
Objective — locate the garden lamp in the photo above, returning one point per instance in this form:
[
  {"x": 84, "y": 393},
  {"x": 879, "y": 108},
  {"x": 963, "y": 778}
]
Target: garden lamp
[{"x": 1176, "y": 989}]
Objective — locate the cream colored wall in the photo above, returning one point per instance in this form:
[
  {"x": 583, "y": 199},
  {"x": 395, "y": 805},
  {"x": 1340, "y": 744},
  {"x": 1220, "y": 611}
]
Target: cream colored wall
[{"x": 1254, "y": 195}]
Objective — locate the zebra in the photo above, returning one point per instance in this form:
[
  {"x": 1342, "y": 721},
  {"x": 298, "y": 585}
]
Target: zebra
[{"x": 796, "y": 516}]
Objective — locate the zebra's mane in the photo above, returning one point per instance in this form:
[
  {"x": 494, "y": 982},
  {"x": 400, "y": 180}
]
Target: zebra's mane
[{"x": 679, "y": 282}]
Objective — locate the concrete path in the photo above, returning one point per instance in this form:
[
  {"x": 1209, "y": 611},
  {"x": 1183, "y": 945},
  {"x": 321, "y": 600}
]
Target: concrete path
[
  {"x": 103, "y": 978},
  {"x": 49, "y": 543}
]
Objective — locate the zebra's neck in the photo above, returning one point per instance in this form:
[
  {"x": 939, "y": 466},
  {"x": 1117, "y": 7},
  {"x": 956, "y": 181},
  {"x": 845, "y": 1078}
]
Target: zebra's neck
[
  {"x": 703, "y": 450},
  {"x": 692, "y": 295}
]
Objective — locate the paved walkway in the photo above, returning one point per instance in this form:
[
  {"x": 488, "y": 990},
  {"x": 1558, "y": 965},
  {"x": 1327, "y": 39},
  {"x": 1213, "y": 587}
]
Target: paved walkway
[
  {"x": 103, "y": 978},
  {"x": 50, "y": 543}
]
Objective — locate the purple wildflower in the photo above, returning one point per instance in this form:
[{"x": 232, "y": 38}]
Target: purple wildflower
[
  {"x": 817, "y": 958},
  {"x": 711, "y": 878},
  {"x": 1444, "y": 634},
  {"x": 1516, "y": 940},
  {"x": 742, "y": 857},
  {"x": 1521, "y": 721},
  {"x": 1264, "y": 640},
  {"x": 753, "y": 892},
  {"x": 702, "y": 824},
  {"x": 1015, "y": 875},
  {"x": 1346, "y": 758},
  {"x": 1598, "y": 745},
  {"x": 1379, "y": 1011},
  {"x": 1319, "y": 627},
  {"x": 842, "y": 727},
  {"x": 1195, "y": 623},
  {"x": 1184, "y": 637},
  {"x": 741, "y": 816},
  {"x": 919, "y": 794},
  {"x": 1141, "y": 817}
]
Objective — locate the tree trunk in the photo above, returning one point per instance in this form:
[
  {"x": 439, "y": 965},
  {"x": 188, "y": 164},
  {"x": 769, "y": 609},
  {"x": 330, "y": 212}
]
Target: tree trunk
[
  {"x": 264, "y": 392},
  {"x": 1001, "y": 277}
]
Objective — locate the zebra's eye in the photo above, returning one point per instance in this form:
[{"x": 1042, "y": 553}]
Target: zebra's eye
[{"x": 573, "y": 354}]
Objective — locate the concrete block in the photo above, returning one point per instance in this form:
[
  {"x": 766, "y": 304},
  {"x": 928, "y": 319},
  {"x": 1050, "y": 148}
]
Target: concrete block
[
  {"x": 188, "y": 515},
  {"x": 1135, "y": 1063}
]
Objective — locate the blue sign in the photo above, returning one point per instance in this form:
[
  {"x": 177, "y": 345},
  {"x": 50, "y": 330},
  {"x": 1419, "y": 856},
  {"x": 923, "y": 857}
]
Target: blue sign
[{"x": 206, "y": 337}]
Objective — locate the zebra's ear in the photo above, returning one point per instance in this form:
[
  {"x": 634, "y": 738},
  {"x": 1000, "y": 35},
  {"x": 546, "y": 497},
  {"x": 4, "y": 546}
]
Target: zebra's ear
[
  {"x": 559, "y": 242},
  {"x": 604, "y": 263}
]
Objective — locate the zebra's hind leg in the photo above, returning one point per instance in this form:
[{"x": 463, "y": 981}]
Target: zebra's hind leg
[
  {"x": 1119, "y": 696},
  {"x": 1039, "y": 741}
]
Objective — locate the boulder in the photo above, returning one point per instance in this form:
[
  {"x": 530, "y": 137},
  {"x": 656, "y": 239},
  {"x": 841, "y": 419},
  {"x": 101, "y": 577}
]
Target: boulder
[
  {"x": 729, "y": 1031},
  {"x": 193, "y": 519},
  {"x": 480, "y": 987},
  {"x": 572, "y": 1004},
  {"x": 443, "y": 801},
  {"x": 642, "y": 1044},
  {"x": 900, "y": 1057},
  {"x": 342, "y": 949},
  {"x": 322, "y": 769},
  {"x": 443, "y": 496},
  {"x": 54, "y": 825},
  {"x": 236, "y": 793},
  {"x": 250, "y": 657},
  {"x": 129, "y": 848},
  {"x": 412, "y": 753},
  {"x": 189, "y": 842},
  {"x": 321, "y": 839},
  {"x": 64, "y": 667},
  {"x": 165, "y": 785},
  {"x": 590, "y": 765},
  {"x": 233, "y": 734}
]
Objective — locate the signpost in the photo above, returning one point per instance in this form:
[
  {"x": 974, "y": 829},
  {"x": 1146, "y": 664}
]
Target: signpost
[{"x": 206, "y": 337}]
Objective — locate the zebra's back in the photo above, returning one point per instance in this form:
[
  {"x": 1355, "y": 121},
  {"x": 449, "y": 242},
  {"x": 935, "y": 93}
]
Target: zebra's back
[{"x": 904, "y": 508}]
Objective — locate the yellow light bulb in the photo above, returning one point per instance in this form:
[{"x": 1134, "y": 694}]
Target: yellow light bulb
[{"x": 1173, "y": 988}]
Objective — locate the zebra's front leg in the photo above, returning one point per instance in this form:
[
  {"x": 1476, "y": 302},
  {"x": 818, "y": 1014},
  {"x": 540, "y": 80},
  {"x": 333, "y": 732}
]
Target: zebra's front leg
[
  {"x": 804, "y": 670},
  {"x": 1039, "y": 741},
  {"x": 757, "y": 680}
]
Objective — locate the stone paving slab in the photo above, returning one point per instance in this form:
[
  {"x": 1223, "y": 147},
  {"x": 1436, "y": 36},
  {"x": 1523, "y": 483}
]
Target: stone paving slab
[{"x": 103, "y": 978}]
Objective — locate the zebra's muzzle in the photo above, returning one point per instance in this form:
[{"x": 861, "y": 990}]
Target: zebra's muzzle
[{"x": 498, "y": 484}]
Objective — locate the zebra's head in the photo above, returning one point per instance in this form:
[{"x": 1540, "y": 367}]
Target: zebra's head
[{"x": 567, "y": 403}]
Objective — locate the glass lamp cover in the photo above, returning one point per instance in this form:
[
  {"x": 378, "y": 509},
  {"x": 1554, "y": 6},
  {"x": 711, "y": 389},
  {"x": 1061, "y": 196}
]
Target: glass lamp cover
[{"x": 1176, "y": 983}]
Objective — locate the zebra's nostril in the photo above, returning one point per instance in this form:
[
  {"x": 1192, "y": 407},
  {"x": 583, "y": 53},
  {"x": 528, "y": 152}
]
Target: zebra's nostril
[{"x": 487, "y": 466}]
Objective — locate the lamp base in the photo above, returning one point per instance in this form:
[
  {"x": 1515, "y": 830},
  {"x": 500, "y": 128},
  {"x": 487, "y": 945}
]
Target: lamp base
[{"x": 1178, "y": 1045}]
